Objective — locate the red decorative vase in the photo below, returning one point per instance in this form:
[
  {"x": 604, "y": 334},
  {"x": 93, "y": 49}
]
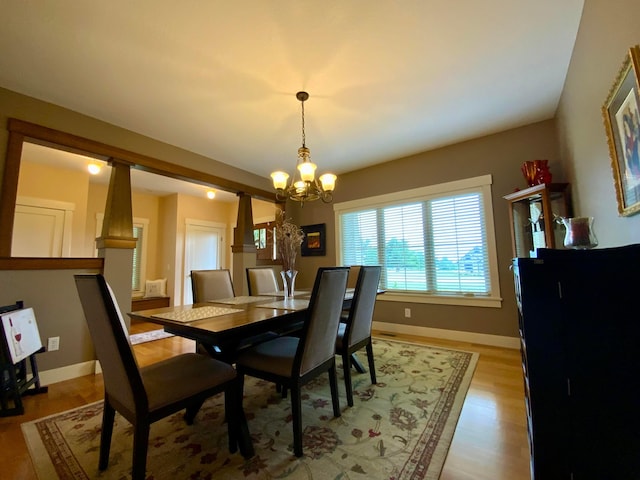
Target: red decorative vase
[
  {"x": 529, "y": 170},
  {"x": 543, "y": 175}
]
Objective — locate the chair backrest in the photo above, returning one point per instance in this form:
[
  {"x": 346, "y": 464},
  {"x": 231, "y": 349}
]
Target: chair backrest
[
  {"x": 318, "y": 338},
  {"x": 362, "y": 305},
  {"x": 261, "y": 280},
  {"x": 211, "y": 285},
  {"x": 122, "y": 380}
]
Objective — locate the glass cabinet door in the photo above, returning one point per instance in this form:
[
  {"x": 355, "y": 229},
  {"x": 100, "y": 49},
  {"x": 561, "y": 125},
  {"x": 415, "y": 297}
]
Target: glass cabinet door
[{"x": 532, "y": 213}]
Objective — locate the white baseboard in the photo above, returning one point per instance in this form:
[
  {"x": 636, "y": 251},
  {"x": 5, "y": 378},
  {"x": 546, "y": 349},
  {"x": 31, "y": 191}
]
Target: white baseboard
[
  {"x": 470, "y": 337},
  {"x": 68, "y": 372}
]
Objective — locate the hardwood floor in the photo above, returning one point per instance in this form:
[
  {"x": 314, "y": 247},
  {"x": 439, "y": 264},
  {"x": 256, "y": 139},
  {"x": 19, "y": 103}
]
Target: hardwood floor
[{"x": 490, "y": 442}]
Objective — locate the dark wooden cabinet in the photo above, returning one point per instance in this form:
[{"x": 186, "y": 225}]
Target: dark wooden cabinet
[{"x": 580, "y": 344}]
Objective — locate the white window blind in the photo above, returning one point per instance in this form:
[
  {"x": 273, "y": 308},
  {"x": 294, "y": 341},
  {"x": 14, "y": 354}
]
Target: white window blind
[
  {"x": 430, "y": 243},
  {"x": 136, "y": 277}
]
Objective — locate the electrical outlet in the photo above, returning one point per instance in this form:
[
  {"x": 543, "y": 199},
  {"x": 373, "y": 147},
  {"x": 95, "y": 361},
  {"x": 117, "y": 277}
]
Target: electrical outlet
[
  {"x": 53, "y": 344},
  {"x": 407, "y": 313}
]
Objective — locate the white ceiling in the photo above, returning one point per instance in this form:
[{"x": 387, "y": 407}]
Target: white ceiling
[{"x": 386, "y": 79}]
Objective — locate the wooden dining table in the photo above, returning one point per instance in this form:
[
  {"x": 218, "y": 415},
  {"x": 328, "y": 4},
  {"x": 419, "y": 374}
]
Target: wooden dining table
[{"x": 222, "y": 325}]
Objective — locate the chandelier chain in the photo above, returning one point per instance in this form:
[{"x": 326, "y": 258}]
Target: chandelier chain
[{"x": 304, "y": 138}]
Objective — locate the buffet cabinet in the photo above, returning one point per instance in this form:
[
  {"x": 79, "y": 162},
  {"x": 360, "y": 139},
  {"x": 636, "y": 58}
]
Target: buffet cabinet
[{"x": 580, "y": 345}]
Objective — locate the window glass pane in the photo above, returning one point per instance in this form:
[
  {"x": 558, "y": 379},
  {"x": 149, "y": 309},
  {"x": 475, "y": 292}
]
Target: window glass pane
[
  {"x": 360, "y": 238},
  {"x": 404, "y": 248},
  {"x": 459, "y": 244}
]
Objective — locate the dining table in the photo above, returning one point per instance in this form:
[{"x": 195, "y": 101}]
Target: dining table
[{"x": 222, "y": 325}]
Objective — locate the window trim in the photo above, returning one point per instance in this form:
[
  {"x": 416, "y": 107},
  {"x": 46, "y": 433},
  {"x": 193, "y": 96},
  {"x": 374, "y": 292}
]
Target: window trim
[{"x": 474, "y": 184}]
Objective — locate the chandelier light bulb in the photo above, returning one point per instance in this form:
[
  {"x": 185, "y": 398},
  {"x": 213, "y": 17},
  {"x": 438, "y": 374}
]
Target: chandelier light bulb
[
  {"x": 328, "y": 182},
  {"x": 280, "y": 180},
  {"x": 307, "y": 171}
]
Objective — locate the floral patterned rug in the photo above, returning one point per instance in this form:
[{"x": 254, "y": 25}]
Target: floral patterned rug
[
  {"x": 400, "y": 428},
  {"x": 149, "y": 336}
]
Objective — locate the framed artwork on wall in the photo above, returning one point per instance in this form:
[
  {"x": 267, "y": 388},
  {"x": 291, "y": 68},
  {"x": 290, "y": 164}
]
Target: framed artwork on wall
[
  {"x": 315, "y": 242},
  {"x": 622, "y": 123}
]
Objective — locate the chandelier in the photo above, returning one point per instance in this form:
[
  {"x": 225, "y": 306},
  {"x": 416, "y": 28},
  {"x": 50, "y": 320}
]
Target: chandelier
[{"x": 304, "y": 187}]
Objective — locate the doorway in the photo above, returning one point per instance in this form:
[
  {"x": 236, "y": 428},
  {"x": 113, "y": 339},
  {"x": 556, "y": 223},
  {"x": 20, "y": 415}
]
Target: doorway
[{"x": 203, "y": 250}]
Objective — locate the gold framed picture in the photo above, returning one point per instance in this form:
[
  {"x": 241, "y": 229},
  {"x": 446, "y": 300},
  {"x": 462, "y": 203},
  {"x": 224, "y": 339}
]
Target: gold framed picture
[{"x": 622, "y": 123}]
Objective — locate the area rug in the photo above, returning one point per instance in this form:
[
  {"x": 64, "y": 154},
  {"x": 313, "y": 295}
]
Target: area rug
[
  {"x": 150, "y": 336},
  {"x": 400, "y": 428}
]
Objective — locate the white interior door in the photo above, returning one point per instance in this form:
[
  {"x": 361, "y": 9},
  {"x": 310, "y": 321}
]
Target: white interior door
[
  {"x": 41, "y": 228},
  {"x": 203, "y": 251}
]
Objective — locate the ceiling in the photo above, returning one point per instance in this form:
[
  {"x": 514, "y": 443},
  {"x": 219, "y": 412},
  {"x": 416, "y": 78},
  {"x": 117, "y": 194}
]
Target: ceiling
[{"x": 386, "y": 79}]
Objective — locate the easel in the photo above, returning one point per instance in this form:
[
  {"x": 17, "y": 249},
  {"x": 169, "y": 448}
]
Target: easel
[{"x": 13, "y": 377}]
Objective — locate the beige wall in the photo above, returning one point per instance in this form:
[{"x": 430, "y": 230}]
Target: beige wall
[
  {"x": 607, "y": 29},
  {"x": 48, "y": 183},
  {"x": 499, "y": 155}
]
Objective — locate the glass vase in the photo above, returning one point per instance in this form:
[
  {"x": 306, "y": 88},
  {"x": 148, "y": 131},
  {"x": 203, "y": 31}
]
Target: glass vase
[
  {"x": 579, "y": 234},
  {"x": 288, "y": 282}
]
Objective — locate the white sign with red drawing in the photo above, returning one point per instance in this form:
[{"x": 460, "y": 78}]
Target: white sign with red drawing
[{"x": 21, "y": 332}]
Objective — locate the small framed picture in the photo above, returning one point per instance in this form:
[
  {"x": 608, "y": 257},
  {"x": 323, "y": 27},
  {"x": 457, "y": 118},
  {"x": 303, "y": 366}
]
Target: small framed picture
[
  {"x": 622, "y": 123},
  {"x": 314, "y": 243}
]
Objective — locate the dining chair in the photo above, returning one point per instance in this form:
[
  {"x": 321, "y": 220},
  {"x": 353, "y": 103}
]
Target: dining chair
[
  {"x": 294, "y": 361},
  {"x": 355, "y": 332},
  {"x": 262, "y": 280},
  {"x": 210, "y": 285},
  {"x": 144, "y": 395}
]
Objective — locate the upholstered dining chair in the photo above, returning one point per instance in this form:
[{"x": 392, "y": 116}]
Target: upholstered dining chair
[
  {"x": 294, "y": 361},
  {"x": 145, "y": 395},
  {"x": 210, "y": 285},
  {"x": 262, "y": 280},
  {"x": 355, "y": 332}
]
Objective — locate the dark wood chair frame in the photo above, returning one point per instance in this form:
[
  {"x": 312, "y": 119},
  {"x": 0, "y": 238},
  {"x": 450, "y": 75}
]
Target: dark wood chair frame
[
  {"x": 361, "y": 311},
  {"x": 141, "y": 417},
  {"x": 295, "y": 382}
]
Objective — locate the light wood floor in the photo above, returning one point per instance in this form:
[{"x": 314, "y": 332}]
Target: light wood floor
[{"x": 490, "y": 441}]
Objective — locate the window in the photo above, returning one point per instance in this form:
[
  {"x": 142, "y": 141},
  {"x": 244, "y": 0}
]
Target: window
[
  {"x": 435, "y": 244},
  {"x": 136, "y": 277},
  {"x": 263, "y": 237},
  {"x": 140, "y": 229}
]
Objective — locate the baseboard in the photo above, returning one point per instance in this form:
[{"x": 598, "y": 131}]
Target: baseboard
[
  {"x": 68, "y": 372},
  {"x": 470, "y": 337}
]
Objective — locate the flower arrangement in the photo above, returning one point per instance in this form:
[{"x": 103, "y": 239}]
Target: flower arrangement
[{"x": 289, "y": 237}]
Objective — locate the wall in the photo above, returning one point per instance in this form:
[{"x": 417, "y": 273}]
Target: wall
[
  {"x": 607, "y": 29},
  {"x": 500, "y": 155},
  {"x": 54, "y": 299},
  {"x": 48, "y": 183}
]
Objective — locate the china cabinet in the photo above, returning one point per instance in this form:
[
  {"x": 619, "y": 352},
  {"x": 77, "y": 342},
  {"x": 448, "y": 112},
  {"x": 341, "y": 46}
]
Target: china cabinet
[{"x": 533, "y": 212}]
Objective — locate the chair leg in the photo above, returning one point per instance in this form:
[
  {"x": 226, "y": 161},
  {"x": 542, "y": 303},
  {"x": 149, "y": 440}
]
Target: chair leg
[
  {"x": 346, "y": 368},
  {"x": 372, "y": 367},
  {"x": 231, "y": 395},
  {"x": 296, "y": 411},
  {"x": 333, "y": 383},
  {"x": 108, "y": 416},
  {"x": 140, "y": 446},
  {"x": 191, "y": 411},
  {"x": 234, "y": 406}
]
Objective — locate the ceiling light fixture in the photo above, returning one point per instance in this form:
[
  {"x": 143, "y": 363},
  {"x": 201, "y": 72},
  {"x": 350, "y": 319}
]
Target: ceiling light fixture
[
  {"x": 211, "y": 194},
  {"x": 304, "y": 187},
  {"x": 94, "y": 168}
]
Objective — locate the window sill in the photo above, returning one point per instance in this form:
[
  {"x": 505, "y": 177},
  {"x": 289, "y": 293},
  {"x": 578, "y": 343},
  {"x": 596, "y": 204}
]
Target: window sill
[{"x": 459, "y": 300}]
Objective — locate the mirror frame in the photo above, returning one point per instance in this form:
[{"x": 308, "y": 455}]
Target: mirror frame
[{"x": 21, "y": 131}]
